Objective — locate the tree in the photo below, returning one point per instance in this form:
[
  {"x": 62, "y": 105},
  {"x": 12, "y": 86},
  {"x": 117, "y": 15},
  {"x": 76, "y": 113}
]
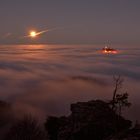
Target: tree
[
  {"x": 118, "y": 85},
  {"x": 26, "y": 129},
  {"x": 119, "y": 100},
  {"x": 122, "y": 101}
]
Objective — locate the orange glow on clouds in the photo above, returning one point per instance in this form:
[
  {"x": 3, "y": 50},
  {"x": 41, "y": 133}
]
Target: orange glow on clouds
[{"x": 110, "y": 51}]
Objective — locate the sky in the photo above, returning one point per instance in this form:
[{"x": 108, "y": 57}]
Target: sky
[{"x": 75, "y": 21}]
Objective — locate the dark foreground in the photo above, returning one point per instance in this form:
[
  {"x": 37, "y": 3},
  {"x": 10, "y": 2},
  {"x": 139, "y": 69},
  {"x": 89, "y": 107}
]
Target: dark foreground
[{"x": 87, "y": 121}]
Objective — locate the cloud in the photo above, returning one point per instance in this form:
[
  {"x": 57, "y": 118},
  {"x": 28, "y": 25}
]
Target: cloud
[
  {"x": 12, "y": 66},
  {"x": 7, "y": 35},
  {"x": 90, "y": 79},
  {"x": 47, "y": 79}
]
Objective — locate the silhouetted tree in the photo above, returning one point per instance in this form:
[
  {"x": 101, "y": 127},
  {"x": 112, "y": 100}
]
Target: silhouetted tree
[
  {"x": 26, "y": 129},
  {"x": 119, "y": 100},
  {"x": 122, "y": 101},
  {"x": 118, "y": 85}
]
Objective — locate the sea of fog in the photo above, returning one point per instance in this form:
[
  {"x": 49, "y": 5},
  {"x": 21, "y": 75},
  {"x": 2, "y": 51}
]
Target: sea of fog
[{"x": 45, "y": 79}]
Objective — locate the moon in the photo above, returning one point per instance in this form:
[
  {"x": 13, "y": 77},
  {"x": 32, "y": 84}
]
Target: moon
[{"x": 33, "y": 34}]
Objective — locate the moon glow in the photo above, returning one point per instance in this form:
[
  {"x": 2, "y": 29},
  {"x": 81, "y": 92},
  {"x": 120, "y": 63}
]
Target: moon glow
[{"x": 33, "y": 34}]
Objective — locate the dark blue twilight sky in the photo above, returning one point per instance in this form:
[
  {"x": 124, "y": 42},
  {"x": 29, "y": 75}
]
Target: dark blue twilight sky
[{"x": 77, "y": 21}]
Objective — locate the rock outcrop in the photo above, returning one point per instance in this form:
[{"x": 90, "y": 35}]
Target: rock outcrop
[
  {"x": 88, "y": 120},
  {"x": 130, "y": 134}
]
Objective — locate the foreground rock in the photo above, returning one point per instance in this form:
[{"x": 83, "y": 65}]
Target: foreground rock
[
  {"x": 88, "y": 121},
  {"x": 130, "y": 134}
]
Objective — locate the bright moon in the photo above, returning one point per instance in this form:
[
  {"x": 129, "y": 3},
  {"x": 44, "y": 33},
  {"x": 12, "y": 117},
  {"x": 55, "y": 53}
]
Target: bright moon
[{"x": 33, "y": 34}]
